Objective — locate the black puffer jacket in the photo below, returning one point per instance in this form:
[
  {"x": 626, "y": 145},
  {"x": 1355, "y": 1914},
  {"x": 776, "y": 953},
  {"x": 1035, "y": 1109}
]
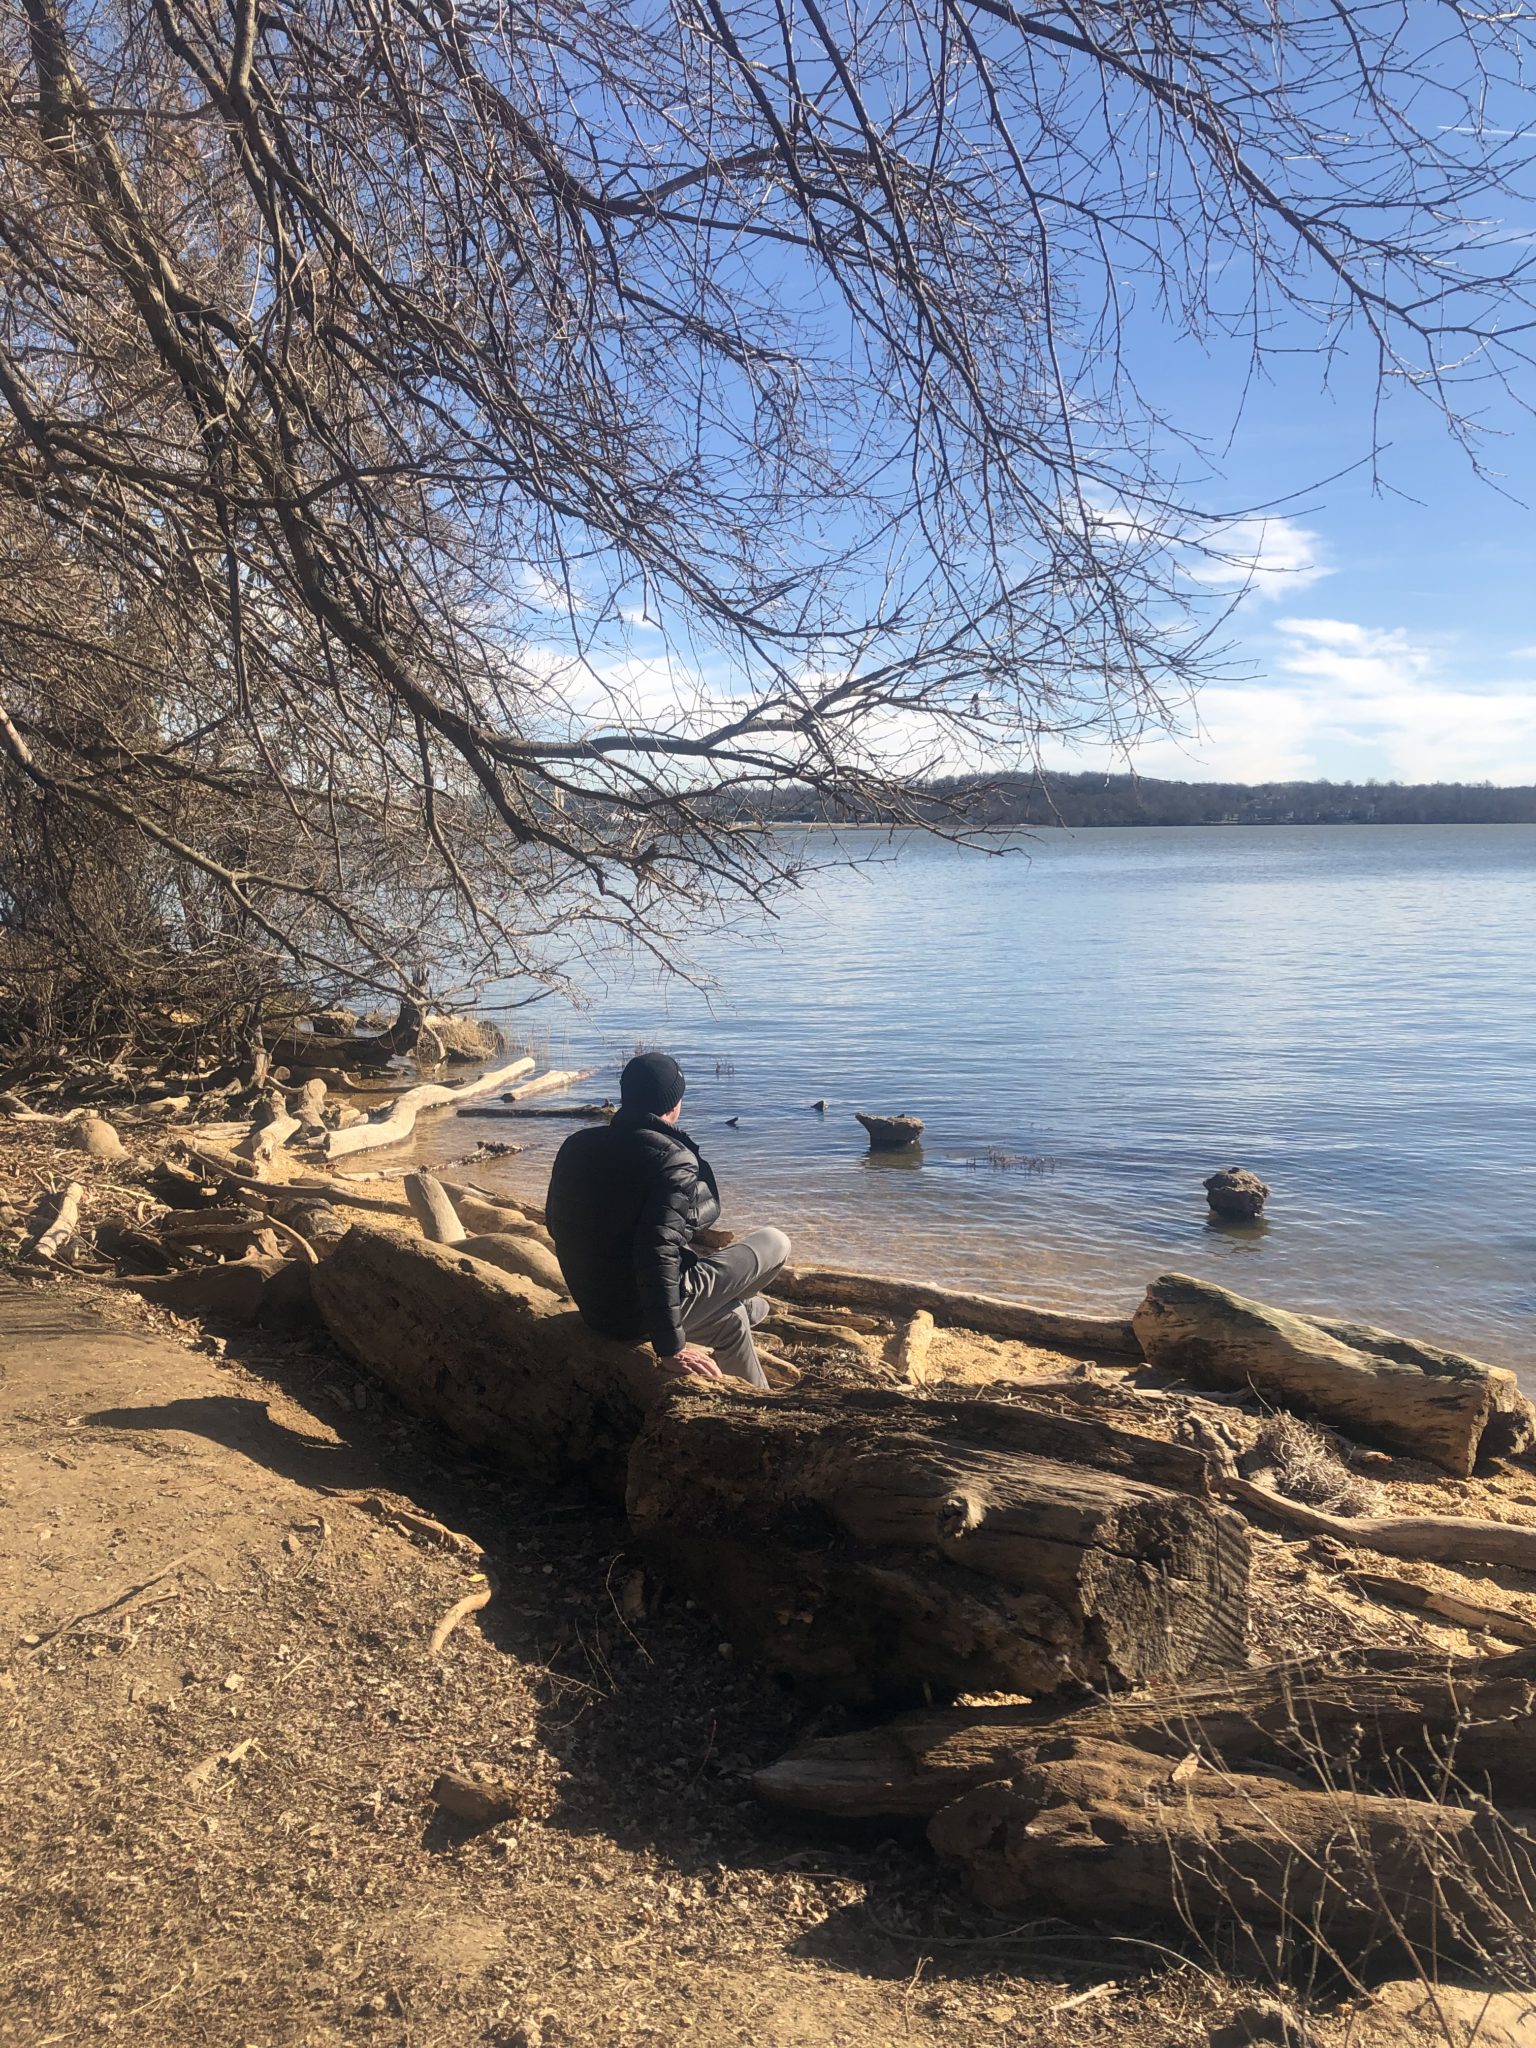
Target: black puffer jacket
[{"x": 625, "y": 1199}]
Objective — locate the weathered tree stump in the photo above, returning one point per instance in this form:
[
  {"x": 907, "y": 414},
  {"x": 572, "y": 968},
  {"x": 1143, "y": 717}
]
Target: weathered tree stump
[
  {"x": 890, "y": 1133},
  {"x": 1432, "y": 1404},
  {"x": 868, "y": 1543},
  {"x": 1236, "y": 1194},
  {"x": 433, "y": 1210}
]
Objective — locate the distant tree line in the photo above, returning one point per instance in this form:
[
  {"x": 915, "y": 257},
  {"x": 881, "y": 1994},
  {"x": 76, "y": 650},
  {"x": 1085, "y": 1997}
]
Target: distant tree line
[{"x": 1040, "y": 799}]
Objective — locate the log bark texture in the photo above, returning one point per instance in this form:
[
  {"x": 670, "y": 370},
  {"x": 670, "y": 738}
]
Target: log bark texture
[
  {"x": 1090, "y": 1336},
  {"x": 869, "y": 1543},
  {"x": 1403, "y": 1721},
  {"x": 499, "y": 1360},
  {"x": 398, "y": 1124},
  {"x": 1098, "y": 1831},
  {"x": 1434, "y": 1405}
]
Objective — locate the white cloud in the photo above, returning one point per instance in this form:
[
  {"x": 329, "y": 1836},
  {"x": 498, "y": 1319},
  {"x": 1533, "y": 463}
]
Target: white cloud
[
  {"x": 1261, "y": 558},
  {"x": 1349, "y": 701}
]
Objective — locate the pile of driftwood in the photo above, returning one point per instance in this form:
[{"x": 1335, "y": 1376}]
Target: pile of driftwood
[
  {"x": 880, "y": 1539},
  {"x": 883, "y": 1539}
]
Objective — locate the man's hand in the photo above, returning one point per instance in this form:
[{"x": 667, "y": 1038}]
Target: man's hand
[{"x": 692, "y": 1362}]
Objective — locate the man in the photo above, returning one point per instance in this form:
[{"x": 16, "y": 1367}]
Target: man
[{"x": 627, "y": 1200}]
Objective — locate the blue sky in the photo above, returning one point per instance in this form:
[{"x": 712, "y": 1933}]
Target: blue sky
[{"x": 1391, "y": 628}]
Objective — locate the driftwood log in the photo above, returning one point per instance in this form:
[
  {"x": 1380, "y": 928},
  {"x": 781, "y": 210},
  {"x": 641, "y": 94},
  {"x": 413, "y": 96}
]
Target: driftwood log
[
  {"x": 342, "y": 1049},
  {"x": 500, "y": 1361},
  {"x": 50, "y": 1241},
  {"x": 400, "y": 1120},
  {"x": 1412, "y": 1722},
  {"x": 1432, "y": 1404},
  {"x": 870, "y": 1543},
  {"x": 1441, "y": 1539},
  {"x": 1100, "y": 1831},
  {"x": 1443, "y": 1605},
  {"x": 432, "y": 1209},
  {"x": 518, "y": 1252},
  {"x": 1089, "y": 1336}
]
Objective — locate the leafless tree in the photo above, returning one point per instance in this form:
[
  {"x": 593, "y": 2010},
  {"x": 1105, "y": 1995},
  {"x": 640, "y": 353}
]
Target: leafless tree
[{"x": 381, "y": 380}]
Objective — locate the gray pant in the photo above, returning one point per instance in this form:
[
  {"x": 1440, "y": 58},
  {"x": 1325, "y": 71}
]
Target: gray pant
[{"x": 721, "y": 1302}]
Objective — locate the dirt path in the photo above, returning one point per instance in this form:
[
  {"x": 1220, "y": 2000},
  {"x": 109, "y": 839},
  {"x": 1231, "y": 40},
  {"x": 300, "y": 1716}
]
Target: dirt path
[{"x": 221, "y": 1723}]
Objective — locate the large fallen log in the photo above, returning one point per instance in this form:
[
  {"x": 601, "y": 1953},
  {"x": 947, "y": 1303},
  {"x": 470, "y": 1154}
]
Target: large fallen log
[
  {"x": 1092, "y": 1336},
  {"x": 400, "y": 1121},
  {"x": 1103, "y": 1832},
  {"x": 1432, "y": 1404},
  {"x": 869, "y": 1543},
  {"x": 500, "y": 1361},
  {"x": 1405, "y": 1721}
]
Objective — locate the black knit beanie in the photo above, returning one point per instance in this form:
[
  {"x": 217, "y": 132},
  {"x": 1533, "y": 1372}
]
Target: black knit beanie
[{"x": 652, "y": 1082}]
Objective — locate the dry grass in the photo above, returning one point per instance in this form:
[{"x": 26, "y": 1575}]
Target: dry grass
[{"x": 1300, "y": 1460}]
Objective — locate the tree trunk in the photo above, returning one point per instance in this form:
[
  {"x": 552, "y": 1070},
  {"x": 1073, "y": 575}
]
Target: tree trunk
[
  {"x": 399, "y": 1123},
  {"x": 1434, "y": 1405},
  {"x": 497, "y": 1359},
  {"x": 1412, "y": 1721},
  {"x": 1102, "y": 1832},
  {"x": 1093, "y": 1336},
  {"x": 870, "y": 1543}
]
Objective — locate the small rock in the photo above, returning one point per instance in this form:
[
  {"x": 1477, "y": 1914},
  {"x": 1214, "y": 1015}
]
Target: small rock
[
  {"x": 479, "y": 1796},
  {"x": 1236, "y": 1194},
  {"x": 1264, "y": 2021},
  {"x": 95, "y": 1136}
]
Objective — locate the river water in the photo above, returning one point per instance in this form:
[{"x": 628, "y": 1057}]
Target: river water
[{"x": 1091, "y": 1023}]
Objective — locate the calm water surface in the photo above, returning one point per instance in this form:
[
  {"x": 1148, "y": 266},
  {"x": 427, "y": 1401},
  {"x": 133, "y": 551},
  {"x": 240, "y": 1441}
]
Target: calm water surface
[{"x": 1351, "y": 1012}]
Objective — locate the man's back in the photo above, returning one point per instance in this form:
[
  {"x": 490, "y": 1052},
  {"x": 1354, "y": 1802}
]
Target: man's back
[{"x": 624, "y": 1201}]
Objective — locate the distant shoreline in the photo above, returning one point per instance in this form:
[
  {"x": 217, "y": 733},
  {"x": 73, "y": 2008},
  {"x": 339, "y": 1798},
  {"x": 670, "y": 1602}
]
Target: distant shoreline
[
  {"x": 1153, "y": 825},
  {"x": 1038, "y": 803}
]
